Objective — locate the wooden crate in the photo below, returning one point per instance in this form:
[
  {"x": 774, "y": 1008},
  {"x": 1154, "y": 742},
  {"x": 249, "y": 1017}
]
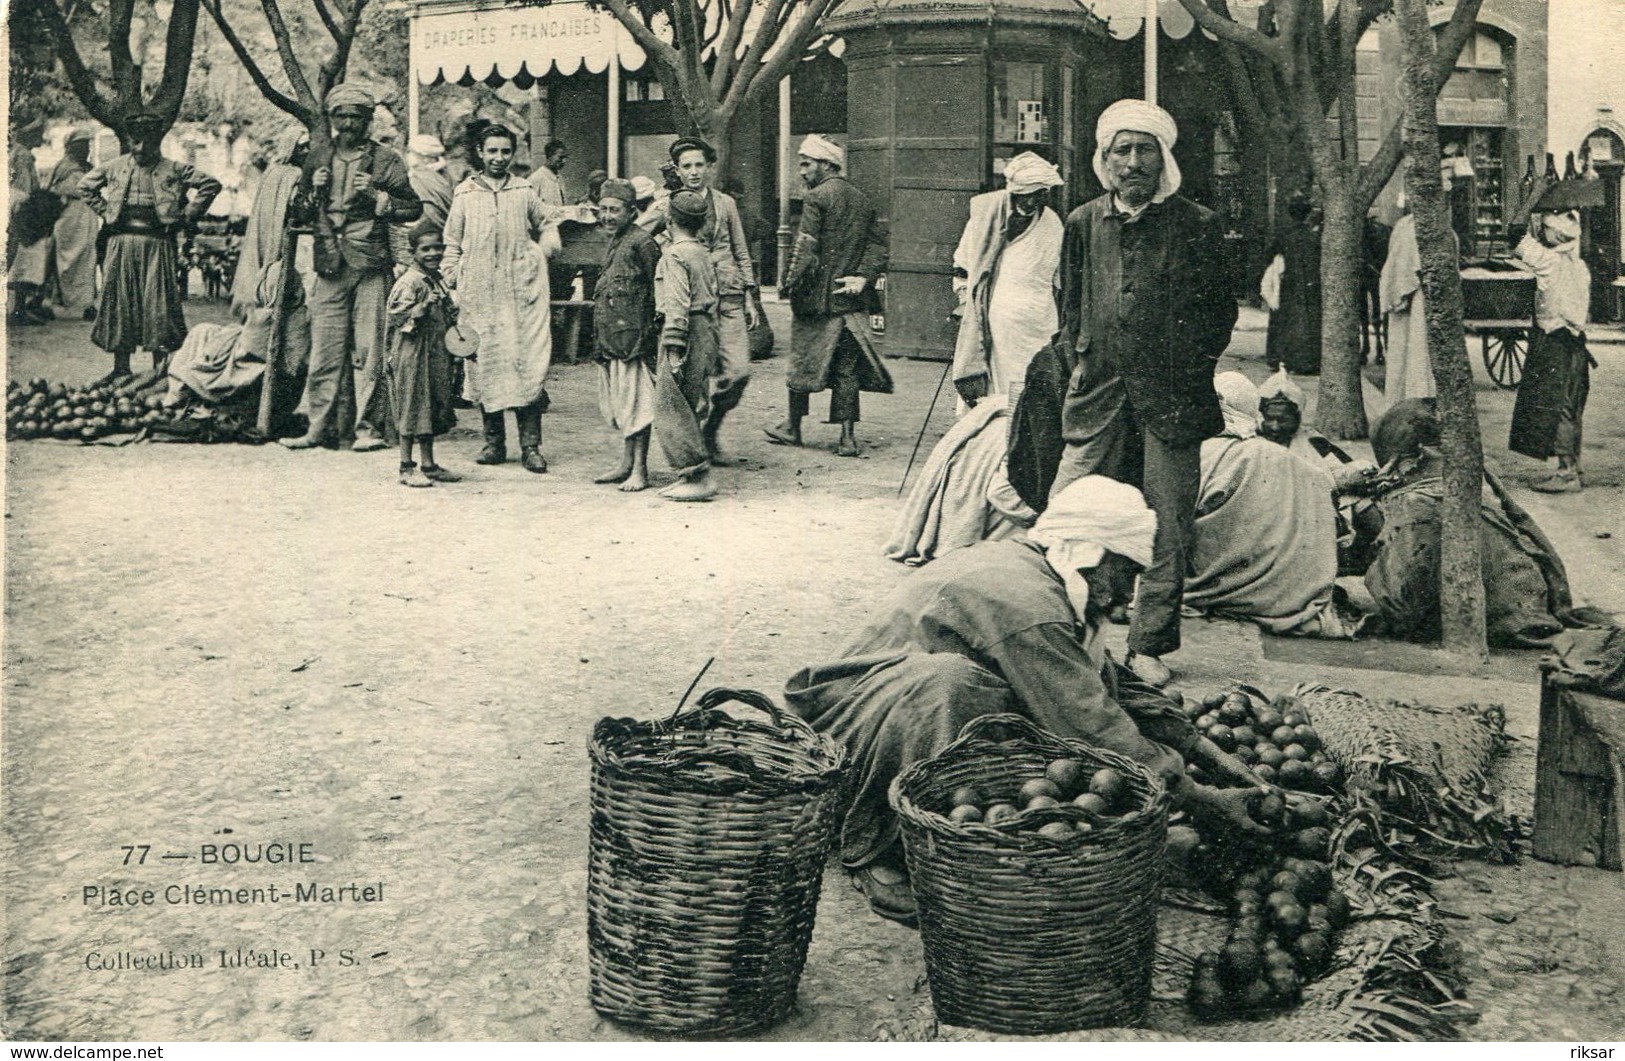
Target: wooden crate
[{"x": 1579, "y": 805}]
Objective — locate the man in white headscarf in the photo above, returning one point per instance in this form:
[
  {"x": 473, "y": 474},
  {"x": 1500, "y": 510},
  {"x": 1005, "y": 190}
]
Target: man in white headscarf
[
  {"x": 1145, "y": 313},
  {"x": 1001, "y": 626},
  {"x": 1557, "y": 375},
  {"x": 1006, "y": 271}
]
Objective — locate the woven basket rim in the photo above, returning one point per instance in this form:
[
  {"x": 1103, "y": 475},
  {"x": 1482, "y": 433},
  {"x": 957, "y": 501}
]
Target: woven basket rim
[
  {"x": 632, "y": 747},
  {"x": 1155, "y": 805}
]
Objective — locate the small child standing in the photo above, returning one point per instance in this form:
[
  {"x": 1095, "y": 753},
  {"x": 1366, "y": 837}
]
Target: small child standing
[
  {"x": 420, "y": 310},
  {"x": 688, "y": 350},
  {"x": 625, "y": 333}
]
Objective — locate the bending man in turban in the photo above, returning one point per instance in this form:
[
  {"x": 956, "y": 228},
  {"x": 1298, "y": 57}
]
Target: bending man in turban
[
  {"x": 996, "y": 627},
  {"x": 1145, "y": 313},
  {"x": 1006, "y": 270}
]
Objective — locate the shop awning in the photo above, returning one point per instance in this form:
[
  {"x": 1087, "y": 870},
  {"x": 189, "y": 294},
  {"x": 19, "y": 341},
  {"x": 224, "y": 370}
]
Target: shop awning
[
  {"x": 460, "y": 40},
  {"x": 516, "y": 43},
  {"x": 1125, "y": 18}
]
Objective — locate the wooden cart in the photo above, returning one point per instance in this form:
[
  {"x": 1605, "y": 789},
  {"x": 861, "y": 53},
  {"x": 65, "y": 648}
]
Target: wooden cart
[{"x": 1498, "y": 306}]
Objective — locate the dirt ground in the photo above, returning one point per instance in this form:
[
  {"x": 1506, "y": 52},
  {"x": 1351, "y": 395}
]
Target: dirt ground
[{"x": 209, "y": 645}]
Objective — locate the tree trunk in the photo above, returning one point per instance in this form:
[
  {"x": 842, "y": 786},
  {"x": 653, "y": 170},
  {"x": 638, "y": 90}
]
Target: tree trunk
[
  {"x": 1461, "y": 580},
  {"x": 1340, "y": 406}
]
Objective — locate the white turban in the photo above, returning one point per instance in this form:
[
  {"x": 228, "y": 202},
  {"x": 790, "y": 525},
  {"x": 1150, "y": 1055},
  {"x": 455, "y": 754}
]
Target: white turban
[
  {"x": 1563, "y": 230},
  {"x": 1238, "y": 401},
  {"x": 644, "y": 188},
  {"x": 1028, "y": 172},
  {"x": 816, "y": 147},
  {"x": 1138, "y": 116},
  {"x": 1280, "y": 385},
  {"x": 426, "y": 145},
  {"x": 1091, "y": 517}
]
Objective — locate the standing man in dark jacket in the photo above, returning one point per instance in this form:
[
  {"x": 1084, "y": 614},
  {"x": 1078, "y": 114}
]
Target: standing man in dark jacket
[
  {"x": 362, "y": 188},
  {"x": 1146, "y": 313},
  {"x": 838, "y": 253}
]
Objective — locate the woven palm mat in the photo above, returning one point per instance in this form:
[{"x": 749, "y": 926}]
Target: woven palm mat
[
  {"x": 1382, "y": 987},
  {"x": 1417, "y": 776}
]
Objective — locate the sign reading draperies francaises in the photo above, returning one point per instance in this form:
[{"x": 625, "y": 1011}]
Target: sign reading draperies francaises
[{"x": 451, "y": 39}]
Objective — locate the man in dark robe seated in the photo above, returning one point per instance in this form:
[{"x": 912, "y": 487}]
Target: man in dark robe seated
[
  {"x": 1002, "y": 626},
  {"x": 1526, "y": 590}
]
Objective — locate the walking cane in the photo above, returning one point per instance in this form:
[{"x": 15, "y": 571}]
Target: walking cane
[{"x": 947, "y": 366}]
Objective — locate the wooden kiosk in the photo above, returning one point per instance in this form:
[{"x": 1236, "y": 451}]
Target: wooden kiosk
[{"x": 940, "y": 93}]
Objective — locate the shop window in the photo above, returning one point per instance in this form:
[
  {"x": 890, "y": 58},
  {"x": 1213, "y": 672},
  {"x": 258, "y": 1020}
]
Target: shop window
[
  {"x": 1473, "y": 171},
  {"x": 639, "y": 91},
  {"x": 1029, "y": 102},
  {"x": 1604, "y": 148}
]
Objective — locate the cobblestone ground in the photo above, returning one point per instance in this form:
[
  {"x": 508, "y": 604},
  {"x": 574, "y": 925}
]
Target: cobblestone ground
[{"x": 212, "y": 645}]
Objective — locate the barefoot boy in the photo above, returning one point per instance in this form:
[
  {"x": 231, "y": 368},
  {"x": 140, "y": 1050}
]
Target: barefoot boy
[
  {"x": 626, "y": 336},
  {"x": 420, "y": 310},
  {"x": 688, "y": 350}
]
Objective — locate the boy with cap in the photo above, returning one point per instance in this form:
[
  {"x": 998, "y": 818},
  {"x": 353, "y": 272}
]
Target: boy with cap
[
  {"x": 625, "y": 334},
  {"x": 723, "y": 235},
  {"x": 688, "y": 350}
]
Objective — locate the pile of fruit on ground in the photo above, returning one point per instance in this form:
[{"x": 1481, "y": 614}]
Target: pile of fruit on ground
[
  {"x": 41, "y": 409},
  {"x": 1284, "y": 903},
  {"x": 1274, "y": 739},
  {"x": 1093, "y": 795},
  {"x": 1288, "y": 898}
]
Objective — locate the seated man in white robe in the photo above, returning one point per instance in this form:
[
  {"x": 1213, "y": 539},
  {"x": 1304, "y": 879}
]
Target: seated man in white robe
[{"x": 1266, "y": 528}]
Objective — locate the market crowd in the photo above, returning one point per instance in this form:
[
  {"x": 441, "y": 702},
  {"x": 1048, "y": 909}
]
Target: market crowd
[{"x": 1099, "y": 470}]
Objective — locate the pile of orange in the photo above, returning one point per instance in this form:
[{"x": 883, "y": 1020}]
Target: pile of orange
[
  {"x": 1286, "y": 912},
  {"x": 38, "y": 409},
  {"x": 1274, "y": 739},
  {"x": 1078, "y": 797}
]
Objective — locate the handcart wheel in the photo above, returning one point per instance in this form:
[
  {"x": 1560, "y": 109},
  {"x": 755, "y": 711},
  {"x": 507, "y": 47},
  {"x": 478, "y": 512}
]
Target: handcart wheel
[{"x": 1503, "y": 357}]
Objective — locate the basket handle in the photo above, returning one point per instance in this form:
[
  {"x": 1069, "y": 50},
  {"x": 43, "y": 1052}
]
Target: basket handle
[
  {"x": 715, "y": 698},
  {"x": 978, "y": 728}
]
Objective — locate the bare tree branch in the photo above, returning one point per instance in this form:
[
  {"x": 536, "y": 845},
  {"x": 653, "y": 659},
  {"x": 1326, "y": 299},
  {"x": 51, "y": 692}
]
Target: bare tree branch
[
  {"x": 278, "y": 99},
  {"x": 290, "y": 61},
  {"x": 80, "y": 77},
  {"x": 126, "y": 78},
  {"x": 685, "y": 15},
  {"x": 1294, "y": 41},
  {"x": 334, "y": 68},
  {"x": 1230, "y": 30},
  {"x": 1242, "y": 90},
  {"x": 1348, "y": 118},
  {"x": 1450, "y": 43},
  {"x": 738, "y": 15},
  {"x": 178, "y": 44},
  {"x": 327, "y": 19},
  {"x": 766, "y": 76},
  {"x": 664, "y": 55},
  {"x": 750, "y": 66}
]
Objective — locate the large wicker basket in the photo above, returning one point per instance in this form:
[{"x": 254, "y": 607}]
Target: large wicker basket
[
  {"x": 709, "y": 837},
  {"x": 1023, "y": 934}
]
